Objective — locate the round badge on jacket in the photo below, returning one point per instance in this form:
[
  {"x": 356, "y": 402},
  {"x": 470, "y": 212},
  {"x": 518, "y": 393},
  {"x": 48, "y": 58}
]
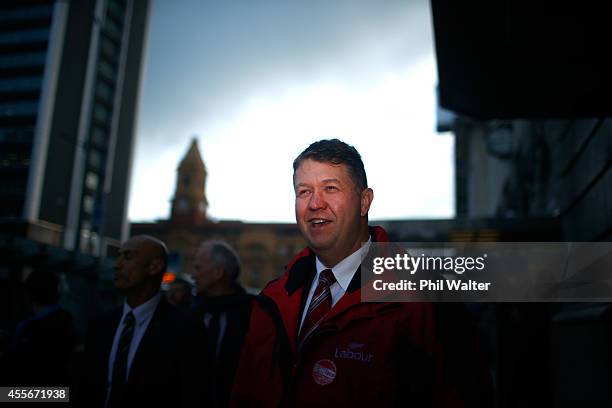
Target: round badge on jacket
[{"x": 324, "y": 372}]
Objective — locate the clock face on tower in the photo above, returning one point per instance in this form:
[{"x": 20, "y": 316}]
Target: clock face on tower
[{"x": 182, "y": 204}]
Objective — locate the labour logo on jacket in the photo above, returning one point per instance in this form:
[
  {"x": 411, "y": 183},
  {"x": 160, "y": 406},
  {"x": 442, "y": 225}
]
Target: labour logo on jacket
[{"x": 354, "y": 351}]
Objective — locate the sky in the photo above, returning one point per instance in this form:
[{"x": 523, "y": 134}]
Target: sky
[{"x": 257, "y": 81}]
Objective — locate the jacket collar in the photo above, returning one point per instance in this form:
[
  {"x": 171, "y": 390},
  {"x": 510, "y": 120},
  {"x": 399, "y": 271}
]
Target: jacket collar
[
  {"x": 300, "y": 270},
  {"x": 151, "y": 338},
  {"x": 287, "y": 291}
]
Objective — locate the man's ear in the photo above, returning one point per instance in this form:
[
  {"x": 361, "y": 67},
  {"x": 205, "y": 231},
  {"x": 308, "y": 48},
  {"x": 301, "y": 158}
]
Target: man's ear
[
  {"x": 367, "y": 196},
  {"x": 217, "y": 273},
  {"x": 156, "y": 267}
]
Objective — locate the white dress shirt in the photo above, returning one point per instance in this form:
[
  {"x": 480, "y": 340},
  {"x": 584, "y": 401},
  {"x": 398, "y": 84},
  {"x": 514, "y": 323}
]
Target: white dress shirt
[
  {"x": 142, "y": 318},
  {"x": 343, "y": 272}
]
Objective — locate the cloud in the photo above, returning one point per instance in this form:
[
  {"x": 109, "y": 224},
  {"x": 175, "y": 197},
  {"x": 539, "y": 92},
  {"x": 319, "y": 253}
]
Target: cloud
[
  {"x": 208, "y": 57},
  {"x": 259, "y": 80}
]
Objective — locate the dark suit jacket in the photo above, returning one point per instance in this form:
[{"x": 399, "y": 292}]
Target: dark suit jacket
[
  {"x": 237, "y": 309},
  {"x": 169, "y": 369},
  {"x": 41, "y": 351}
]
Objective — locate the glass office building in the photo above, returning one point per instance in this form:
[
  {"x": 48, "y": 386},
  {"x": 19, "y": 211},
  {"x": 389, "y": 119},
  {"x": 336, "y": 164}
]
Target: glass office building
[{"x": 70, "y": 79}]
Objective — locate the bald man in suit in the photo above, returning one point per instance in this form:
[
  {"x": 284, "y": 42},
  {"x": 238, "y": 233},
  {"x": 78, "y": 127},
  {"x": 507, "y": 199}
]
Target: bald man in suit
[{"x": 144, "y": 353}]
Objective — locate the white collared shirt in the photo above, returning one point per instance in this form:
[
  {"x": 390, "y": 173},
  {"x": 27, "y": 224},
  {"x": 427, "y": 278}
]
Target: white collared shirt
[
  {"x": 142, "y": 318},
  {"x": 343, "y": 272}
]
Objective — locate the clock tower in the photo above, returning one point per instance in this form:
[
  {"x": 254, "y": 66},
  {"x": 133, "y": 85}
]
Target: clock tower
[{"x": 189, "y": 203}]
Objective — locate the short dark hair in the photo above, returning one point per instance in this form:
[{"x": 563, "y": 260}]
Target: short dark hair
[
  {"x": 223, "y": 255},
  {"x": 336, "y": 152}
]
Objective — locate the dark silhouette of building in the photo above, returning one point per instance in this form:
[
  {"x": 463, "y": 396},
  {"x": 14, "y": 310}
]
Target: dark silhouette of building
[
  {"x": 189, "y": 203},
  {"x": 555, "y": 173},
  {"x": 70, "y": 80},
  {"x": 529, "y": 90}
]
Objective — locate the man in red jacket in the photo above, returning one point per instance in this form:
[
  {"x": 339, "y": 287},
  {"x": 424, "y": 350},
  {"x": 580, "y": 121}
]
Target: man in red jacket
[{"x": 312, "y": 342}]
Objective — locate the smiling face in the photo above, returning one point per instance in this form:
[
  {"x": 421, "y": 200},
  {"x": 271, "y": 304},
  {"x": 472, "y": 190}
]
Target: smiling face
[{"x": 330, "y": 211}]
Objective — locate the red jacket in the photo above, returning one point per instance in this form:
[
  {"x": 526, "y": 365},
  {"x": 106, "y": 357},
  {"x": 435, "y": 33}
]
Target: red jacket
[{"x": 362, "y": 354}]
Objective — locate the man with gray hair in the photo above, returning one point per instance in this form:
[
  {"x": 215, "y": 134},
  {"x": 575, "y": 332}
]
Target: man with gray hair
[
  {"x": 216, "y": 269},
  {"x": 224, "y": 308}
]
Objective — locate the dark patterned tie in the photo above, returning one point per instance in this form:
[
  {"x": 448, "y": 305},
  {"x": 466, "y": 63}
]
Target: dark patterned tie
[
  {"x": 320, "y": 304},
  {"x": 121, "y": 360}
]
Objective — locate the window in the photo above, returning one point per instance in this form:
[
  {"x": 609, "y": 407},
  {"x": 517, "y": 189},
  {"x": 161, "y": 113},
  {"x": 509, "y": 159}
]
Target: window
[
  {"x": 22, "y": 134},
  {"x": 117, "y": 8},
  {"x": 26, "y": 60},
  {"x": 109, "y": 48},
  {"x": 107, "y": 70},
  {"x": 98, "y": 136},
  {"x": 26, "y": 108},
  {"x": 88, "y": 204},
  {"x": 256, "y": 247},
  {"x": 102, "y": 114},
  {"x": 95, "y": 159},
  {"x": 26, "y": 13},
  {"x": 20, "y": 84},
  {"x": 111, "y": 27},
  {"x": 91, "y": 180},
  {"x": 15, "y": 159},
  {"x": 24, "y": 36},
  {"x": 104, "y": 92}
]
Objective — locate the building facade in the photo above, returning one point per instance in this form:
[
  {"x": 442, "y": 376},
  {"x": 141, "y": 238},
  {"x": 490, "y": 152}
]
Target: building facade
[
  {"x": 556, "y": 173},
  {"x": 70, "y": 79},
  {"x": 264, "y": 248}
]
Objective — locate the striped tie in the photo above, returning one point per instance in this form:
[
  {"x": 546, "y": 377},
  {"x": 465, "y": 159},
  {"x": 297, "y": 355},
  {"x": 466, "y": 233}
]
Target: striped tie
[
  {"x": 320, "y": 304},
  {"x": 121, "y": 360}
]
